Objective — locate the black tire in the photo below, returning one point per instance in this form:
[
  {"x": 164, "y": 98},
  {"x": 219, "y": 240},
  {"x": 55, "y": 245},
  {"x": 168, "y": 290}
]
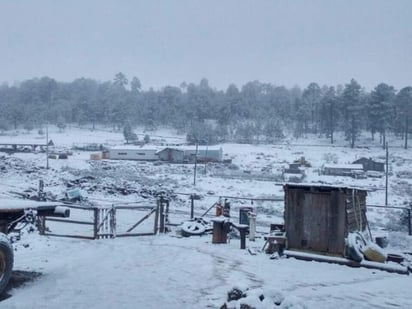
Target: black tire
[
  {"x": 6, "y": 261},
  {"x": 356, "y": 246},
  {"x": 193, "y": 228}
]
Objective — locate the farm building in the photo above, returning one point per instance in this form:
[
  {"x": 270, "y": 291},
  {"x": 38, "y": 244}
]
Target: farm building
[
  {"x": 169, "y": 154},
  {"x": 133, "y": 153},
  {"x": 319, "y": 218},
  {"x": 172, "y": 155},
  {"x": 341, "y": 169},
  {"x": 370, "y": 165},
  {"x": 203, "y": 155}
]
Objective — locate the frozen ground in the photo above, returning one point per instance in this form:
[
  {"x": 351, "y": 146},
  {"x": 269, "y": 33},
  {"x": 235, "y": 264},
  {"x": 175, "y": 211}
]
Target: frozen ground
[{"x": 171, "y": 272}]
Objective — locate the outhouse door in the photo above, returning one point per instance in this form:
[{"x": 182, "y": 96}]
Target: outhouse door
[{"x": 315, "y": 209}]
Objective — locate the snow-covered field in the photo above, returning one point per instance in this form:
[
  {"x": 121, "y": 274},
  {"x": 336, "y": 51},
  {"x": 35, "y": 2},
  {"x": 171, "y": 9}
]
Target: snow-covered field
[{"x": 167, "y": 271}]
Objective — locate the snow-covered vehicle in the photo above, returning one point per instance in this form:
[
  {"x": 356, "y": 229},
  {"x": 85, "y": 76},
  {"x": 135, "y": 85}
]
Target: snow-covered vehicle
[{"x": 14, "y": 212}]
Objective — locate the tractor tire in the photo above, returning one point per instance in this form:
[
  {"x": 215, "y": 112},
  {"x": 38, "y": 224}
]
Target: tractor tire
[
  {"x": 193, "y": 228},
  {"x": 6, "y": 261},
  {"x": 356, "y": 245}
]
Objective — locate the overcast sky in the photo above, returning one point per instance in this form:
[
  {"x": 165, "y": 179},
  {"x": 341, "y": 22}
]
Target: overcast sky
[{"x": 226, "y": 41}]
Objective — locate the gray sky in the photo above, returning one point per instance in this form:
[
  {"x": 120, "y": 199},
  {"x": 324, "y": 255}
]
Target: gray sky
[{"x": 226, "y": 41}]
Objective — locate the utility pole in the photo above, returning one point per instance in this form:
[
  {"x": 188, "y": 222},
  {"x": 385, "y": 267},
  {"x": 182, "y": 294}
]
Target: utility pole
[
  {"x": 47, "y": 146},
  {"x": 387, "y": 171},
  {"x": 207, "y": 145},
  {"x": 194, "y": 172}
]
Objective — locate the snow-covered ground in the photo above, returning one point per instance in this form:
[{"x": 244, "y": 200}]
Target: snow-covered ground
[{"x": 167, "y": 271}]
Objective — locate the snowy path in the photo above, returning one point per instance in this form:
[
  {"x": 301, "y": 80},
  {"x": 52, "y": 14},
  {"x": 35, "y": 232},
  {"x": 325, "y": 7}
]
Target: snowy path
[{"x": 168, "y": 272}]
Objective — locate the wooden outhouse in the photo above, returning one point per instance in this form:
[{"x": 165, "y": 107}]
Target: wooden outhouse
[{"x": 318, "y": 218}]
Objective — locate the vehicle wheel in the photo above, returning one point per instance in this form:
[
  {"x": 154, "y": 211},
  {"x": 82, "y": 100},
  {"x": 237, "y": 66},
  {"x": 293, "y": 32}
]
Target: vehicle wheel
[
  {"x": 6, "y": 261},
  {"x": 356, "y": 246},
  {"x": 190, "y": 228}
]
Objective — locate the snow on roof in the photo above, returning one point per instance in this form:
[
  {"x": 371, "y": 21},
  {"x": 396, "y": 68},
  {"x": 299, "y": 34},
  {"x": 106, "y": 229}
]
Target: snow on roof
[
  {"x": 202, "y": 148},
  {"x": 345, "y": 166},
  {"x": 318, "y": 185},
  {"x": 133, "y": 147},
  {"x": 170, "y": 148}
]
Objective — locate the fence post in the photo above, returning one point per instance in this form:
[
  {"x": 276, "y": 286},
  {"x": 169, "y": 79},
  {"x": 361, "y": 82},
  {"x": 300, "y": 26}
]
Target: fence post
[
  {"x": 162, "y": 215},
  {"x": 156, "y": 217},
  {"x": 113, "y": 221},
  {"x": 192, "y": 206},
  {"x": 41, "y": 224},
  {"x": 96, "y": 223},
  {"x": 409, "y": 222},
  {"x": 167, "y": 212}
]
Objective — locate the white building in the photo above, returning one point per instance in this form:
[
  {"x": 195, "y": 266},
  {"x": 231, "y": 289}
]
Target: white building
[
  {"x": 341, "y": 169},
  {"x": 128, "y": 152}
]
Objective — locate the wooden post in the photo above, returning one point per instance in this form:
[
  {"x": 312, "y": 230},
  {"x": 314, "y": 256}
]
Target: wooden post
[
  {"x": 113, "y": 221},
  {"x": 96, "y": 223},
  {"x": 41, "y": 224},
  {"x": 192, "y": 206},
  {"x": 162, "y": 215},
  {"x": 156, "y": 217},
  {"x": 409, "y": 222},
  {"x": 167, "y": 212},
  {"x": 102, "y": 225},
  {"x": 226, "y": 209},
  {"x": 219, "y": 231},
  {"x": 252, "y": 226},
  {"x": 242, "y": 232}
]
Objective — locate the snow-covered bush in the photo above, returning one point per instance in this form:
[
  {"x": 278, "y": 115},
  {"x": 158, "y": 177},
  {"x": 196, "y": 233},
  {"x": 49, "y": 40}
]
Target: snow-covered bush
[{"x": 330, "y": 158}]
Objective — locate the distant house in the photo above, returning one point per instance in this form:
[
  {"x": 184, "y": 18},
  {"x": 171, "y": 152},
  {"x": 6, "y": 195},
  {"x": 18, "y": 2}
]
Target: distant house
[
  {"x": 341, "y": 169},
  {"x": 294, "y": 168},
  {"x": 86, "y": 147},
  {"x": 172, "y": 155},
  {"x": 203, "y": 155},
  {"x": 132, "y": 153},
  {"x": 370, "y": 165},
  {"x": 294, "y": 173}
]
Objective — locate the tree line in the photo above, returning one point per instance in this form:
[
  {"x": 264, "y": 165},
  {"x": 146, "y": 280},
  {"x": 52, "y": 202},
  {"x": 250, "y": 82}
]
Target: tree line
[{"x": 255, "y": 112}]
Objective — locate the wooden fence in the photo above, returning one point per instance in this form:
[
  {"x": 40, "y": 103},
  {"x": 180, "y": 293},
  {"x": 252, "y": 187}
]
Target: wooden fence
[{"x": 103, "y": 221}]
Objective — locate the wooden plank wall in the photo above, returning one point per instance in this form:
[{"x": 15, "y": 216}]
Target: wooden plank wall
[{"x": 318, "y": 219}]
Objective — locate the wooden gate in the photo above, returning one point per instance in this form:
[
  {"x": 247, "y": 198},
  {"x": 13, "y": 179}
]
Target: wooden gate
[{"x": 108, "y": 222}]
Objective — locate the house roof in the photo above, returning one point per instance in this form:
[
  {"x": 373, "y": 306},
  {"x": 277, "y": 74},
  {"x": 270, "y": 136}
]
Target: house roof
[
  {"x": 321, "y": 186},
  {"x": 170, "y": 148},
  {"x": 368, "y": 159},
  {"x": 132, "y": 148},
  {"x": 345, "y": 166}
]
